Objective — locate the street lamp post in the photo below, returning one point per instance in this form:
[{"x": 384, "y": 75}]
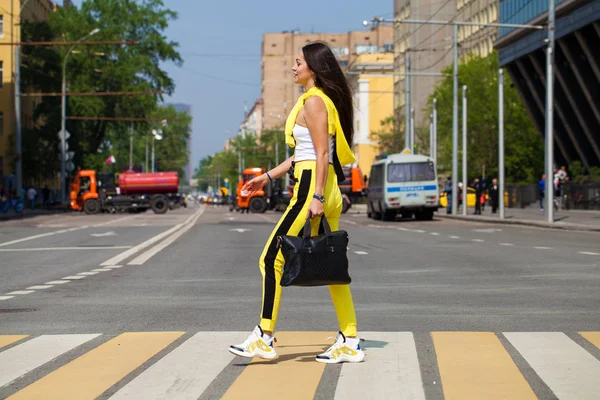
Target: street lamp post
[
  {"x": 464, "y": 150},
  {"x": 456, "y": 24},
  {"x": 18, "y": 138},
  {"x": 63, "y": 118}
]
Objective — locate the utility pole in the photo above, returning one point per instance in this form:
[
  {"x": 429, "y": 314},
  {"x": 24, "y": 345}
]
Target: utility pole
[
  {"x": 550, "y": 113},
  {"x": 434, "y": 154},
  {"x": 501, "y": 142},
  {"x": 131, "y": 147},
  {"x": 455, "y": 124},
  {"x": 464, "y": 149},
  {"x": 407, "y": 107}
]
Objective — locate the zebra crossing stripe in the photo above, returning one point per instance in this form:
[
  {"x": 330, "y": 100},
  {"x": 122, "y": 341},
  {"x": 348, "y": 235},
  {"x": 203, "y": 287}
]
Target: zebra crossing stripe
[
  {"x": 185, "y": 372},
  {"x": 294, "y": 374},
  {"x": 592, "y": 337},
  {"x": 568, "y": 370},
  {"x": 391, "y": 369},
  {"x": 5, "y": 340},
  {"x": 25, "y": 357},
  {"x": 90, "y": 375},
  {"x": 475, "y": 365}
]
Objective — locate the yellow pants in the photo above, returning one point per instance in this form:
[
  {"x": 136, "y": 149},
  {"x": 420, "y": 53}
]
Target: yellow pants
[{"x": 291, "y": 223}]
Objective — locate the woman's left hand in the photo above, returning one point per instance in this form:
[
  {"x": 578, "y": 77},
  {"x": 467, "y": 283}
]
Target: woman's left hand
[{"x": 315, "y": 209}]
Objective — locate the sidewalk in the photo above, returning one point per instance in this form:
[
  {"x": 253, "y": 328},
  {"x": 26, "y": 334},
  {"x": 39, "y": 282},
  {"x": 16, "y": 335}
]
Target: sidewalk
[
  {"x": 578, "y": 220},
  {"x": 28, "y": 213}
]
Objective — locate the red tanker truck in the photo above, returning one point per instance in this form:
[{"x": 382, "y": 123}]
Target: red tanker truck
[{"x": 132, "y": 191}]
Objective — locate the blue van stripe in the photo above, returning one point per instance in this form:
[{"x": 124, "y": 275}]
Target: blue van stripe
[{"x": 411, "y": 188}]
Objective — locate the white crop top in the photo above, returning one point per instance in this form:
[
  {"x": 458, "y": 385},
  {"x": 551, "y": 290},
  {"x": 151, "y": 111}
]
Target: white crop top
[{"x": 305, "y": 149}]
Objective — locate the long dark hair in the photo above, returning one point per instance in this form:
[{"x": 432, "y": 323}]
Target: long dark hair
[{"x": 330, "y": 78}]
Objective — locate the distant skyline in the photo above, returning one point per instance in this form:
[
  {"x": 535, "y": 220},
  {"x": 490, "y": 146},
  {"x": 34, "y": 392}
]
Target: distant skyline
[{"x": 220, "y": 43}]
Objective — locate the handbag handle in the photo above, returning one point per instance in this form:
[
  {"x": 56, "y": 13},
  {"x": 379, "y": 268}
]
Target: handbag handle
[{"x": 326, "y": 227}]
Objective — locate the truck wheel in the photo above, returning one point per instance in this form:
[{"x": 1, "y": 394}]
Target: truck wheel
[
  {"x": 91, "y": 206},
  {"x": 159, "y": 204},
  {"x": 258, "y": 205}
]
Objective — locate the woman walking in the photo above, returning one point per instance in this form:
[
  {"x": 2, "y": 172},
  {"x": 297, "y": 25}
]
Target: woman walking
[{"x": 320, "y": 128}]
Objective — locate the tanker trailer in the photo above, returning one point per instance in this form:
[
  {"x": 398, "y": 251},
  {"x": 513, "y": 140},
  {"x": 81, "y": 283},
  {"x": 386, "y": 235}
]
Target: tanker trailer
[{"x": 132, "y": 192}]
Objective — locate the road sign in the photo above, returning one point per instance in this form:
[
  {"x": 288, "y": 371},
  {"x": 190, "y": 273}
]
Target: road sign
[
  {"x": 66, "y": 147},
  {"x": 70, "y": 166},
  {"x": 70, "y": 155},
  {"x": 67, "y": 136}
]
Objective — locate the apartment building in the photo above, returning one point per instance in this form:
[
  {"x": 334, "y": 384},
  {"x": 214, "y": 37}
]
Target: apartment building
[
  {"x": 10, "y": 31},
  {"x": 373, "y": 85},
  {"x": 429, "y": 48},
  {"x": 279, "y": 50},
  {"x": 477, "y": 40},
  {"x": 253, "y": 119}
]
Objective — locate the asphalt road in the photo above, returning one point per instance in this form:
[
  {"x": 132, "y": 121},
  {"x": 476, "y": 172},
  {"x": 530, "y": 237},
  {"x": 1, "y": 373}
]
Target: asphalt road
[{"x": 195, "y": 271}]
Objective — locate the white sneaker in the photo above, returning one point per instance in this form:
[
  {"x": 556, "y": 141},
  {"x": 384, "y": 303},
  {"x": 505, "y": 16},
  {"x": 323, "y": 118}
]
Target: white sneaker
[
  {"x": 342, "y": 352},
  {"x": 255, "y": 346}
]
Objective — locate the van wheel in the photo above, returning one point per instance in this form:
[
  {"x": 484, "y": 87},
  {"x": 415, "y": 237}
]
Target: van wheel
[
  {"x": 159, "y": 204},
  {"x": 258, "y": 205},
  {"x": 389, "y": 215},
  {"x": 424, "y": 215},
  {"x": 91, "y": 206}
]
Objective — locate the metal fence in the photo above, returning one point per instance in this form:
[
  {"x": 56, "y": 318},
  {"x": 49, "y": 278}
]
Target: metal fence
[{"x": 584, "y": 196}]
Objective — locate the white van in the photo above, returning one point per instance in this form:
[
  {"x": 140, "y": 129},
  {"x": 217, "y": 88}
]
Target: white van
[{"x": 403, "y": 184}]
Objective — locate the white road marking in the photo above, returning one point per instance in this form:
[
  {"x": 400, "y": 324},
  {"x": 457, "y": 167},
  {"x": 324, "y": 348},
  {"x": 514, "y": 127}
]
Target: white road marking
[
  {"x": 393, "y": 370},
  {"x": 418, "y": 230},
  {"x": 105, "y": 234},
  {"x": 102, "y": 269},
  {"x": 360, "y": 252},
  {"x": 41, "y": 235},
  {"x": 487, "y": 230},
  {"x": 240, "y": 230},
  {"x": 589, "y": 253},
  {"x": 454, "y": 237},
  {"x": 120, "y": 257},
  {"x": 6, "y": 297},
  {"x": 478, "y": 240},
  {"x": 21, "y": 292},
  {"x": 56, "y": 282},
  {"x": 114, "y": 266},
  {"x": 87, "y": 273},
  {"x": 374, "y": 226},
  {"x": 39, "y": 287},
  {"x": 68, "y": 248},
  {"x": 113, "y": 221},
  {"x": 73, "y": 277},
  {"x": 348, "y": 222},
  {"x": 179, "y": 375},
  {"x": 403, "y": 229},
  {"x": 568, "y": 370},
  {"x": 542, "y": 248},
  {"x": 145, "y": 256},
  {"x": 434, "y": 234},
  {"x": 231, "y": 218},
  {"x": 506, "y": 244},
  {"x": 21, "y": 359}
]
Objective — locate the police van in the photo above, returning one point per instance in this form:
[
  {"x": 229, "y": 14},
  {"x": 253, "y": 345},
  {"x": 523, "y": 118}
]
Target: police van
[{"x": 404, "y": 184}]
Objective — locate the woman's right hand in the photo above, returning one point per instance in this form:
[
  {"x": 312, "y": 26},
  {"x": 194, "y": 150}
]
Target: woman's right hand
[{"x": 254, "y": 185}]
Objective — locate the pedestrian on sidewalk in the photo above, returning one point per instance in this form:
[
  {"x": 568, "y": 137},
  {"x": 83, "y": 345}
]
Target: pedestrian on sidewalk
[
  {"x": 478, "y": 193},
  {"x": 448, "y": 191},
  {"x": 31, "y": 194},
  {"x": 542, "y": 191},
  {"x": 494, "y": 195},
  {"x": 320, "y": 128}
]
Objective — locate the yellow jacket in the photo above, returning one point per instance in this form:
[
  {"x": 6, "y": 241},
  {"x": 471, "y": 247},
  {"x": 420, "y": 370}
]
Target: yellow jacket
[{"x": 334, "y": 127}]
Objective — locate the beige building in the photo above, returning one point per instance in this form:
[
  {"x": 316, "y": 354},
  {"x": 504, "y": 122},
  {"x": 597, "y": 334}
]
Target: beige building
[
  {"x": 279, "y": 50},
  {"x": 373, "y": 85},
  {"x": 253, "y": 120},
  {"x": 430, "y": 51},
  {"x": 477, "y": 40},
  {"x": 10, "y": 31}
]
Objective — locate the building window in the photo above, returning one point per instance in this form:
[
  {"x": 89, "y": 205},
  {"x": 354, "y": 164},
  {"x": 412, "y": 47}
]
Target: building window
[
  {"x": 388, "y": 47},
  {"x": 365, "y": 48},
  {"x": 339, "y": 51},
  {"x": 1, "y": 25}
]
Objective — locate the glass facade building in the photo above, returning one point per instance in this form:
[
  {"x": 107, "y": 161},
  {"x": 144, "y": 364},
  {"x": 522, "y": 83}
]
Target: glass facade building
[{"x": 521, "y": 12}]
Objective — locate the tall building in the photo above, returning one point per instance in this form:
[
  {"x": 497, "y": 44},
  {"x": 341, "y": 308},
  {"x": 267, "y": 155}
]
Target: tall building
[
  {"x": 253, "y": 119},
  {"x": 279, "y": 51},
  {"x": 477, "y": 40},
  {"x": 577, "y": 72},
  {"x": 429, "y": 48},
  {"x": 189, "y": 169},
  {"x": 10, "y": 31},
  {"x": 373, "y": 85}
]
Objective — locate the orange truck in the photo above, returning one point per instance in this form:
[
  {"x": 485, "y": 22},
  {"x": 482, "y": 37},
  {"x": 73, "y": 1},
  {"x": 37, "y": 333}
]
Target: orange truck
[
  {"x": 259, "y": 201},
  {"x": 131, "y": 192}
]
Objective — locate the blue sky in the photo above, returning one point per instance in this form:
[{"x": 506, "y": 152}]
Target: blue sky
[{"x": 220, "y": 42}]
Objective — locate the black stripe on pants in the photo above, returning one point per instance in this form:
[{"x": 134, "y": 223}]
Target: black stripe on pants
[{"x": 284, "y": 227}]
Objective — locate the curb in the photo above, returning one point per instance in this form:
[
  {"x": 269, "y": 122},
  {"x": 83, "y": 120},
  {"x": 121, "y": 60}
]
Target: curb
[{"x": 524, "y": 222}]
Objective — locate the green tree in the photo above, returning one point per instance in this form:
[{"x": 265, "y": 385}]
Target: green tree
[
  {"x": 524, "y": 148},
  {"x": 98, "y": 68},
  {"x": 388, "y": 137}
]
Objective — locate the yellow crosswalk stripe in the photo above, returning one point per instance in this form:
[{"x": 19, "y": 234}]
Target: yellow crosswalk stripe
[
  {"x": 475, "y": 365},
  {"x": 593, "y": 337},
  {"x": 92, "y": 374},
  {"x": 5, "y": 340},
  {"x": 294, "y": 374}
]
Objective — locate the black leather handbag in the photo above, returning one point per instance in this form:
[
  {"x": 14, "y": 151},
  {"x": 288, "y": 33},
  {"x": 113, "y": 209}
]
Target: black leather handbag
[{"x": 315, "y": 261}]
